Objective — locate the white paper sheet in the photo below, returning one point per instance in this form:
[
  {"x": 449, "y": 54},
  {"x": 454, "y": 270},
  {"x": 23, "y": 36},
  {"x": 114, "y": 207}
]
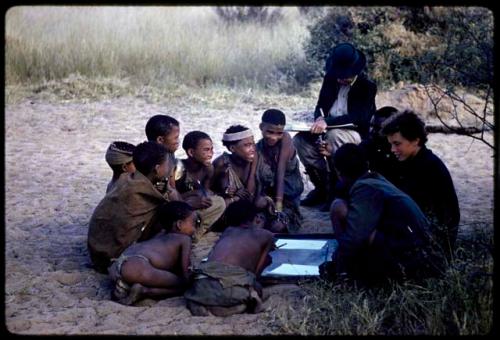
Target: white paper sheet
[
  {"x": 295, "y": 269},
  {"x": 300, "y": 244}
]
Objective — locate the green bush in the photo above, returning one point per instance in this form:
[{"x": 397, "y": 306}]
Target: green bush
[
  {"x": 441, "y": 45},
  {"x": 249, "y": 14}
]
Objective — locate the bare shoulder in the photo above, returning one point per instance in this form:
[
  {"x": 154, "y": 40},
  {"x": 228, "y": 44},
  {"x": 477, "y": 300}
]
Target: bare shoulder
[
  {"x": 218, "y": 162},
  {"x": 180, "y": 238},
  {"x": 209, "y": 170},
  {"x": 262, "y": 233},
  {"x": 230, "y": 231},
  {"x": 287, "y": 136}
]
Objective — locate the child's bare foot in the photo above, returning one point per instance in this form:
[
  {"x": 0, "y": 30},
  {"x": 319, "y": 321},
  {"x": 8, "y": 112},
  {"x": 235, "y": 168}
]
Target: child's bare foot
[
  {"x": 122, "y": 289},
  {"x": 197, "y": 309},
  {"x": 135, "y": 294},
  {"x": 256, "y": 302},
  {"x": 227, "y": 311}
]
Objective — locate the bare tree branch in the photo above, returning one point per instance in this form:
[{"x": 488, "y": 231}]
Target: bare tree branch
[{"x": 462, "y": 130}]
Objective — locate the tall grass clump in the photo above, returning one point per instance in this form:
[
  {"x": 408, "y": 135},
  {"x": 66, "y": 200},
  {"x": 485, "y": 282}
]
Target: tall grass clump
[
  {"x": 460, "y": 303},
  {"x": 148, "y": 45}
]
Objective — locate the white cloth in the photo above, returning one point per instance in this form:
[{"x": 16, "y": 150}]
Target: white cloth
[{"x": 339, "y": 108}]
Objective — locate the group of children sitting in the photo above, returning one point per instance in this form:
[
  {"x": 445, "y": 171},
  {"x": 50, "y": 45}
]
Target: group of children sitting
[{"x": 155, "y": 206}]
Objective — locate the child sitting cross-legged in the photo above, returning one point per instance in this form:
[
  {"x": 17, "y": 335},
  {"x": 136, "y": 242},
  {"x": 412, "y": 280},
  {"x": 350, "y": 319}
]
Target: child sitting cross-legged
[{"x": 157, "y": 267}]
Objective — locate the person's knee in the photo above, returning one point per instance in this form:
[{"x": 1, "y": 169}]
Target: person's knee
[
  {"x": 219, "y": 205},
  {"x": 338, "y": 216},
  {"x": 331, "y": 136},
  {"x": 339, "y": 209},
  {"x": 302, "y": 143}
]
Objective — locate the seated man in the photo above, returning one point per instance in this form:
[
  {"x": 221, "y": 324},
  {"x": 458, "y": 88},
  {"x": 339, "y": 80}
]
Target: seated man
[
  {"x": 377, "y": 148},
  {"x": 127, "y": 213},
  {"x": 234, "y": 173},
  {"x": 119, "y": 159},
  {"x": 278, "y": 177},
  {"x": 382, "y": 233},
  {"x": 227, "y": 282},
  {"x": 165, "y": 131},
  {"x": 424, "y": 177},
  {"x": 159, "y": 266},
  {"x": 192, "y": 180},
  {"x": 347, "y": 96}
]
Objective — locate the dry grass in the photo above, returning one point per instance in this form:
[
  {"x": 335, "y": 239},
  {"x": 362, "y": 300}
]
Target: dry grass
[{"x": 149, "y": 45}]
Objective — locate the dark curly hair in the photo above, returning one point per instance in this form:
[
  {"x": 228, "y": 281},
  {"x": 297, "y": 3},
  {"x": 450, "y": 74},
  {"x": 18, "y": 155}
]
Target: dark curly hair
[
  {"x": 147, "y": 155},
  {"x": 273, "y": 116},
  {"x": 159, "y": 125},
  {"x": 233, "y": 129},
  {"x": 240, "y": 212},
  {"x": 171, "y": 212},
  {"x": 350, "y": 161},
  {"x": 192, "y": 138},
  {"x": 408, "y": 124}
]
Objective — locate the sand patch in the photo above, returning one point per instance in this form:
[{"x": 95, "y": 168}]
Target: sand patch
[{"x": 56, "y": 174}]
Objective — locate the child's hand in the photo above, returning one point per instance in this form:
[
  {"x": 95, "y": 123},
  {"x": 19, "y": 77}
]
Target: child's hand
[
  {"x": 205, "y": 202},
  {"x": 198, "y": 202},
  {"x": 244, "y": 194},
  {"x": 325, "y": 149},
  {"x": 230, "y": 191}
]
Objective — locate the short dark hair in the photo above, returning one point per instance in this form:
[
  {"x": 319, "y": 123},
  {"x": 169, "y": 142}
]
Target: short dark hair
[
  {"x": 273, "y": 116},
  {"x": 385, "y": 111},
  {"x": 191, "y": 139},
  {"x": 171, "y": 212},
  {"x": 350, "y": 161},
  {"x": 233, "y": 129},
  {"x": 159, "y": 125},
  {"x": 240, "y": 212},
  {"x": 408, "y": 124},
  {"x": 147, "y": 155}
]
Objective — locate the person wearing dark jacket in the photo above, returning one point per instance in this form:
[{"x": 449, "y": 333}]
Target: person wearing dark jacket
[
  {"x": 377, "y": 148},
  {"x": 381, "y": 231},
  {"x": 424, "y": 177},
  {"x": 347, "y": 96}
]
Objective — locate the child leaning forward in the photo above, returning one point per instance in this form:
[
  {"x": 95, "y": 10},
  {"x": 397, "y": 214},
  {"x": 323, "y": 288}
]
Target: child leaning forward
[{"x": 158, "y": 267}]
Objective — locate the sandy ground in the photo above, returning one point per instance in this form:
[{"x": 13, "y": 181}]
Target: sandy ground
[{"x": 56, "y": 174}]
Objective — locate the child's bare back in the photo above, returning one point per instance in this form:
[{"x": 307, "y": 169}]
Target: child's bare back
[
  {"x": 163, "y": 251},
  {"x": 159, "y": 266},
  {"x": 242, "y": 247}
]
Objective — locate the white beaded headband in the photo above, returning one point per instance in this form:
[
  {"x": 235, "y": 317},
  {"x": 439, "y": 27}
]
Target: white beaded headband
[{"x": 231, "y": 137}]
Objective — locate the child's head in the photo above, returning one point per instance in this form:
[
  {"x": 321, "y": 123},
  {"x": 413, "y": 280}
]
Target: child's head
[
  {"x": 240, "y": 212},
  {"x": 199, "y": 147},
  {"x": 164, "y": 130},
  {"x": 406, "y": 133},
  {"x": 379, "y": 117},
  {"x": 272, "y": 126},
  {"x": 239, "y": 140},
  {"x": 177, "y": 217},
  {"x": 350, "y": 162},
  {"x": 150, "y": 158},
  {"x": 119, "y": 157}
]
